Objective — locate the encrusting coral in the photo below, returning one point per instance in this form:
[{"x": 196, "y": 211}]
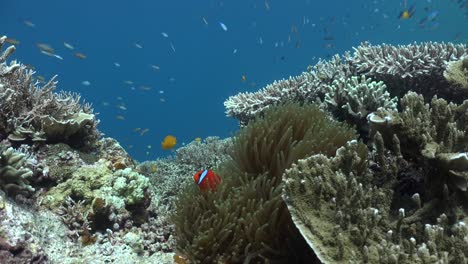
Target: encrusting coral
[
  {"x": 245, "y": 219},
  {"x": 457, "y": 72},
  {"x": 109, "y": 198},
  {"x": 36, "y": 114}
]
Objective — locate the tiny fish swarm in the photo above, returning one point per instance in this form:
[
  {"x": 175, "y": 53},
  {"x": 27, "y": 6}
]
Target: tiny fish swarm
[{"x": 245, "y": 220}]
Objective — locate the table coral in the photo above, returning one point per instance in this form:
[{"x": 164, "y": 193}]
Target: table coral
[{"x": 418, "y": 67}]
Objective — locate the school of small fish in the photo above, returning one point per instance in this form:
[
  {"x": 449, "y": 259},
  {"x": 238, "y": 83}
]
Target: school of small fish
[{"x": 425, "y": 18}]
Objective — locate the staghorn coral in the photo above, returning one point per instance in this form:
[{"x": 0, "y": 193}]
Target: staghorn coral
[
  {"x": 35, "y": 114},
  {"x": 16, "y": 171},
  {"x": 417, "y": 67},
  {"x": 75, "y": 216},
  {"x": 457, "y": 72},
  {"x": 245, "y": 219},
  {"x": 406, "y": 61}
]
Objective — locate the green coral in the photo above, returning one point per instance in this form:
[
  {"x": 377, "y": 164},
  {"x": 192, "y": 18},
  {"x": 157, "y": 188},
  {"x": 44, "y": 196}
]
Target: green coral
[
  {"x": 245, "y": 219},
  {"x": 15, "y": 172},
  {"x": 121, "y": 188},
  {"x": 130, "y": 185},
  {"x": 457, "y": 72}
]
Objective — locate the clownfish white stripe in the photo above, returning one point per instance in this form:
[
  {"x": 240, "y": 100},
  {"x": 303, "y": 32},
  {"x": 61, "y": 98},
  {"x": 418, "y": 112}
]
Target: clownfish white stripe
[{"x": 202, "y": 176}]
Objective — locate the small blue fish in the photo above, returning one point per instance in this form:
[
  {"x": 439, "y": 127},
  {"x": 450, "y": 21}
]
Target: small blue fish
[
  {"x": 432, "y": 15},
  {"x": 223, "y": 26}
]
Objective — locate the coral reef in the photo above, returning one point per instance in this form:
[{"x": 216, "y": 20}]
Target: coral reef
[
  {"x": 400, "y": 199},
  {"x": 245, "y": 219},
  {"x": 354, "y": 98},
  {"x": 109, "y": 199},
  {"x": 41, "y": 237},
  {"x": 435, "y": 133},
  {"x": 457, "y": 72},
  {"x": 36, "y": 114},
  {"x": 416, "y": 67},
  {"x": 406, "y": 61},
  {"x": 298, "y": 186},
  {"x": 205, "y": 154},
  {"x": 344, "y": 217}
]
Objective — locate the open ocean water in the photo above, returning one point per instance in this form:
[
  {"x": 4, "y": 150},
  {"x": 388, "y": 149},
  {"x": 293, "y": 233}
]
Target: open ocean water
[{"x": 158, "y": 68}]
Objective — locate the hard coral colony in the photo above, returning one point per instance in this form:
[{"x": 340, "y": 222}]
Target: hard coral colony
[{"x": 360, "y": 159}]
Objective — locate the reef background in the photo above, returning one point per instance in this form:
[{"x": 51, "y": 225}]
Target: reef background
[{"x": 204, "y": 66}]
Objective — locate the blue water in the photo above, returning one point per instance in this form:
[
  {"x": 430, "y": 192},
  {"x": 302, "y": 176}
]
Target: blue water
[{"x": 274, "y": 40}]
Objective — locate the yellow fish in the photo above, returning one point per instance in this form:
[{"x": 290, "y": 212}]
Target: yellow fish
[{"x": 169, "y": 142}]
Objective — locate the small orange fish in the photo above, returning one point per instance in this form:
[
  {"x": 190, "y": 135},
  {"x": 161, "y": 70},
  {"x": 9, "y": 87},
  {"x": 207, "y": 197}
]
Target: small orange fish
[
  {"x": 80, "y": 55},
  {"x": 169, "y": 142},
  {"x": 206, "y": 179}
]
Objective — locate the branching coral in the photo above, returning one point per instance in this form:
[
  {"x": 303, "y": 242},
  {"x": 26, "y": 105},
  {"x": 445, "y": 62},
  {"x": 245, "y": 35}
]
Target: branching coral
[
  {"x": 417, "y": 67},
  {"x": 406, "y": 61},
  {"x": 75, "y": 216},
  {"x": 352, "y": 99},
  {"x": 307, "y": 87},
  {"x": 344, "y": 218},
  {"x": 15, "y": 172},
  {"x": 437, "y": 133},
  {"x": 245, "y": 219},
  {"x": 33, "y": 113}
]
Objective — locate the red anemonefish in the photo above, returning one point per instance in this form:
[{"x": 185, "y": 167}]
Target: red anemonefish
[{"x": 206, "y": 179}]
